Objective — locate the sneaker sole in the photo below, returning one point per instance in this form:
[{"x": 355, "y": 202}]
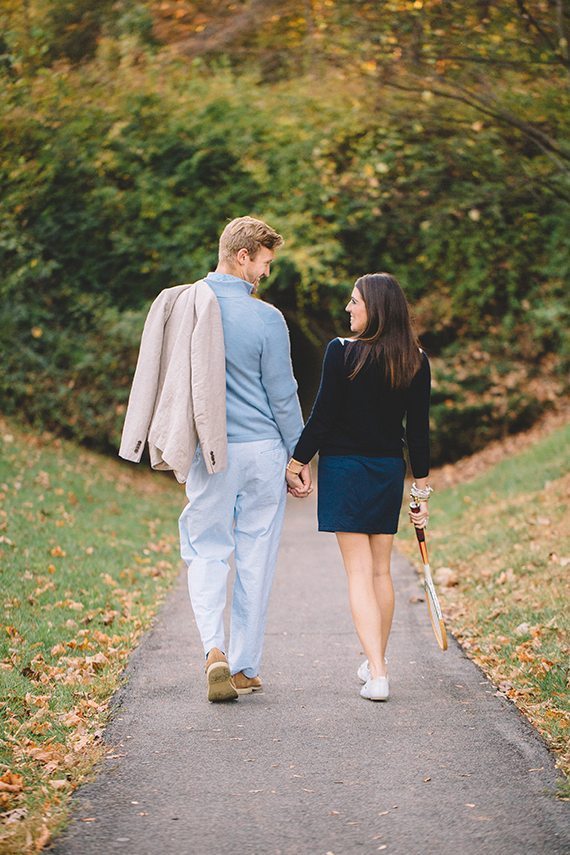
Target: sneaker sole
[{"x": 220, "y": 686}]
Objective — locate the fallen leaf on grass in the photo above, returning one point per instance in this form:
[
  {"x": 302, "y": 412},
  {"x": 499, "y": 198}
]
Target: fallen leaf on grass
[
  {"x": 57, "y": 552},
  {"x": 13, "y": 816},
  {"x": 10, "y": 782},
  {"x": 42, "y": 839},
  {"x": 69, "y": 604},
  {"x": 522, "y": 629},
  {"x": 37, "y": 700},
  {"x": 506, "y": 576},
  {"x": 98, "y": 661},
  {"x": 446, "y": 577},
  {"x": 71, "y": 719},
  {"x": 58, "y": 649}
]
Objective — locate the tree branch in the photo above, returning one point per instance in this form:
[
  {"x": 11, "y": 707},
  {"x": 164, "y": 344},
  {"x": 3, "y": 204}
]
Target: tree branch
[
  {"x": 482, "y": 105},
  {"x": 534, "y": 23},
  {"x": 562, "y": 31}
]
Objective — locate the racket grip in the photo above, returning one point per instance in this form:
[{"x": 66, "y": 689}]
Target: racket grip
[{"x": 420, "y": 533}]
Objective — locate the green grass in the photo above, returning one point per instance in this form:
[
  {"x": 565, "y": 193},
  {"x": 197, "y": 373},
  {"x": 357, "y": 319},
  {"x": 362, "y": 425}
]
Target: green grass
[
  {"x": 505, "y": 534},
  {"x": 88, "y": 548}
]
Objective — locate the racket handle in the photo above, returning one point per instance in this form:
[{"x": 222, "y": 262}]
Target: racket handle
[{"x": 420, "y": 533}]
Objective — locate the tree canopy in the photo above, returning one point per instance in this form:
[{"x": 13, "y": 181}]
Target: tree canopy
[{"x": 426, "y": 138}]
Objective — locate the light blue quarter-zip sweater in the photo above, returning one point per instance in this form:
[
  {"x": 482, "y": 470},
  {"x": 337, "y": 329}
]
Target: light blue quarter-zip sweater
[{"x": 261, "y": 391}]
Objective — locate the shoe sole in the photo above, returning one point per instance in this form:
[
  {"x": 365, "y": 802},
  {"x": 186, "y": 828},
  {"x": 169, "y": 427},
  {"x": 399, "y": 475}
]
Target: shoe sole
[
  {"x": 220, "y": 686},
  {"x": 374, "y": 699},
  {"x": 249, "y": 690}
]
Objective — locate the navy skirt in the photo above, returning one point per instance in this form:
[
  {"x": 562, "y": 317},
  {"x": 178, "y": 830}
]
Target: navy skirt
[{"x": 360, "y": 494}]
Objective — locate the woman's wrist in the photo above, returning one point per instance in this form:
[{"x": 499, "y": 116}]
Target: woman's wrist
[
  {"x": 422, "y": 491},
  {"x": 294, "y": 466}
]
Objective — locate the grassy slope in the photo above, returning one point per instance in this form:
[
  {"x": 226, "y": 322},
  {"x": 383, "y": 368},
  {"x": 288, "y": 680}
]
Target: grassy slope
[
  {"x": 505, "y": 536},
  {"x": 88, "y": 547}
]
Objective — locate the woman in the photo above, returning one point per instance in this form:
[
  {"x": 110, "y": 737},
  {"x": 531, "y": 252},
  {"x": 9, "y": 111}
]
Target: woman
[{"x": 369, "y": 383}]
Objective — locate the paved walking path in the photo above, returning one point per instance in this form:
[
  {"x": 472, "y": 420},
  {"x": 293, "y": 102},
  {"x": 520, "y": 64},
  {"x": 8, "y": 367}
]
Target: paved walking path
[{"x": 308, "y": 767}]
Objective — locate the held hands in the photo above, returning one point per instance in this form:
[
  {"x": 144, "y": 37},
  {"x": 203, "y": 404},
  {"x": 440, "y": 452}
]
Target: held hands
[{"x": 299, "y": 484}]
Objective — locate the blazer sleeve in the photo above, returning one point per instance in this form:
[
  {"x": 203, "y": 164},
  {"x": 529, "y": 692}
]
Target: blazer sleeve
[
  {"x": 208, "y": 360},
  {"x": 142, "y": 398}
]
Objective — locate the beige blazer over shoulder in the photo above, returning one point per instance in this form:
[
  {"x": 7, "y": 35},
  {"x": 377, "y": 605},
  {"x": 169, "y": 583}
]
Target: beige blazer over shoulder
[{"x": 178, "y": 396}]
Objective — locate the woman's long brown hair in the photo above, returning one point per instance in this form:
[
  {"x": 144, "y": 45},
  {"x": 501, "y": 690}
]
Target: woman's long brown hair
[{"x": 389, "y": 337}]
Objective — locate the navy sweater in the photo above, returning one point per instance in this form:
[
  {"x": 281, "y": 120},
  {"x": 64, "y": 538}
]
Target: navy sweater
[{"x": 364, "y": 416}]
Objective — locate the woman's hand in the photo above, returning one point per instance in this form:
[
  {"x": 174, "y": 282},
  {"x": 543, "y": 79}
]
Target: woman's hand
[
  {"x": 419, "y": 519},
  {"x": 299, "y": 485}
]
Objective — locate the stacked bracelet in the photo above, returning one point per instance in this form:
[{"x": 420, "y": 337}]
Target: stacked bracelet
[
  {"x": 294, "y": 466},
  {"x": 419, "y": 494}
]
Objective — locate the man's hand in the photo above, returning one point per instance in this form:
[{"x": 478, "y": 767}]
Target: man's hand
[{"x": 300, "y": 485}]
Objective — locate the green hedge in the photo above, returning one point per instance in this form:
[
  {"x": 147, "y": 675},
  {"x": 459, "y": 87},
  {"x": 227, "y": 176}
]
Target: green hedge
[{"x": 117, "y": 180}]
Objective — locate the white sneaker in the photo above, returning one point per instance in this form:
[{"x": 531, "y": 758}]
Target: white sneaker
[
  {"x": 376, "y": 690},
  {"x": 363, "y": 672}
]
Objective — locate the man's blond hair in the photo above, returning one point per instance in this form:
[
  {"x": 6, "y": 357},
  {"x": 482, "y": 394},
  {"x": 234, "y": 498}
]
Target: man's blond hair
[{"x": 247, "y": 233}]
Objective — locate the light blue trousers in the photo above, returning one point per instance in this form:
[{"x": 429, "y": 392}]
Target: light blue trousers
[{"x": 239, "y": 510}]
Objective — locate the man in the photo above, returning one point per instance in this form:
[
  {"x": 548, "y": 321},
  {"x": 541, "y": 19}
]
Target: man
[{"x": 241, "y": 508}]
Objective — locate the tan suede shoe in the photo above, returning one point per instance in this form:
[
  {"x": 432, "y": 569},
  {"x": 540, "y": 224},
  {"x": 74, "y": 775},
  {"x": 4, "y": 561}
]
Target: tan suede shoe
[
  {"x": 220, "y": 685},
  {"x": 244, "y": 685}
]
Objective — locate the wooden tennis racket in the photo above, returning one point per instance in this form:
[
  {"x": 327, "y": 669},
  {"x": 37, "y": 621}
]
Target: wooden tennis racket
[{"x": 431, "y": 597}]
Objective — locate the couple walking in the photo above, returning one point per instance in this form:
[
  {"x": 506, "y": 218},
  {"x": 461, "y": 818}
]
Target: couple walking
[{"x": 214, "y": 394}]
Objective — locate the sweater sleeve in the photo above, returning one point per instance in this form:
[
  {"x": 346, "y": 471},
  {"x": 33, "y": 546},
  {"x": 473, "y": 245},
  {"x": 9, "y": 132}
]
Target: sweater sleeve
[
  {"x": 326, "y": 406},
  {"x": 417, "y": 420},
  {"x": 279, "y": 382}
]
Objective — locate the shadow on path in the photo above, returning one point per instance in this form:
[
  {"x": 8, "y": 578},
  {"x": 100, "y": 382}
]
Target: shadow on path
[{"x": 308, "y": 766}]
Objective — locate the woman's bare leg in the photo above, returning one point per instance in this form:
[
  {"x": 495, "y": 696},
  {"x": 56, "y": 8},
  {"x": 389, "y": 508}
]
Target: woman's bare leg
[
  {"x": 381, "y": 546},
  {"x": 358, "y": 561}
]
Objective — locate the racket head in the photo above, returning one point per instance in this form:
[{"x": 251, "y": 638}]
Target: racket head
[{"x": 434, "y": 610}]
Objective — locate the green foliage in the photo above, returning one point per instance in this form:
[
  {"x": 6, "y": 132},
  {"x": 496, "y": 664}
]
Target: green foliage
[{"x": 119, "y": 174}]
